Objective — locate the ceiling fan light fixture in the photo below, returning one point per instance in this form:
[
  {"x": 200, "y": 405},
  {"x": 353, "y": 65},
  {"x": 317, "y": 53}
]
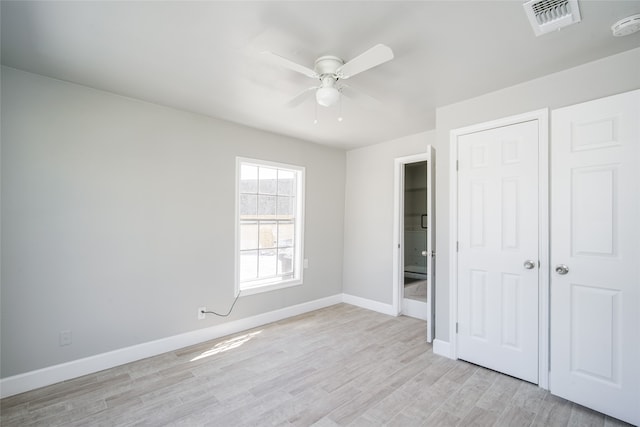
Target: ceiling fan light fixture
[{"x": 327, "y": 96}]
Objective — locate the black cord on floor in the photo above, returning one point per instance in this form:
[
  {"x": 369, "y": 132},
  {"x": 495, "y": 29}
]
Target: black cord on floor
[{"x": 228, "y": 313}]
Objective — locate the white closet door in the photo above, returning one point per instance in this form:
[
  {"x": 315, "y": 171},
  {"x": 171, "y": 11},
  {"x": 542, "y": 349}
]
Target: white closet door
[
  {"x": 595, "y": 253},
  {"x": 498, "y": 249}
]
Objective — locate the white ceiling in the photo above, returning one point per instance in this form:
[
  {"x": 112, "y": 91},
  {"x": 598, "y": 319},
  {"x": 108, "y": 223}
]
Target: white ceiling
[{"x": 205, "y": 56}]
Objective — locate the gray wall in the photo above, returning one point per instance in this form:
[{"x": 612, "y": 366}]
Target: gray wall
[
  {"x": 117, "y": 215},
  {"x": 118, "y": 220},
  {"x": 368, "y": 239},
  {"x": 608, "y": 76}
]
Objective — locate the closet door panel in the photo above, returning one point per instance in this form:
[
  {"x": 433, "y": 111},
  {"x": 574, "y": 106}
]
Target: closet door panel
[{"x": 595, "y": 253}]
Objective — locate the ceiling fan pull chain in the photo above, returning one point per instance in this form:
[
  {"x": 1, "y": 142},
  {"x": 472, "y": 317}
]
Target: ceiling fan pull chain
[{"x": 315, "y": 118}]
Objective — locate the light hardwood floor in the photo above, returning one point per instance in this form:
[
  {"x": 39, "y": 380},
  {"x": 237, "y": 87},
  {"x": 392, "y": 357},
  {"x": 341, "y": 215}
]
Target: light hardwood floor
[{"x": 341, "y": 365}]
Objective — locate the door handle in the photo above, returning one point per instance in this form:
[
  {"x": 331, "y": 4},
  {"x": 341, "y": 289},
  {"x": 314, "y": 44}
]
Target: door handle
[
  {"x": 424, "y": 253},
  {"x": 422, "y": 217},
  {"x": 528, "y": 264},
  {"x": 562, "y": 269}
]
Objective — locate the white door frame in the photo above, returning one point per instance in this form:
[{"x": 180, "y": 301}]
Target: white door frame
[
  {"x": 543, "y": 234},
  {"x": 398, "y": 225}
]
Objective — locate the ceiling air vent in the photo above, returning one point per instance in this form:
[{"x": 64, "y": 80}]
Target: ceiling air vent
[{"x": 550, "y": 15}]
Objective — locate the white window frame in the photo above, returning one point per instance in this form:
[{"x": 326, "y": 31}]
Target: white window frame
[{"x": 270, "y": 284}]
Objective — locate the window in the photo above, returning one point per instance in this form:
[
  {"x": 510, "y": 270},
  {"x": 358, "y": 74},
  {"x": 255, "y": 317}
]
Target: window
[{"x": 270, "y": 201}]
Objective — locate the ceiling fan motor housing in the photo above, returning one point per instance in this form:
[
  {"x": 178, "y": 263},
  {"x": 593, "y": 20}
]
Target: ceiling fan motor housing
[
  {"x": 327, "y": 65},
  {"x": 326, "y": 68}
]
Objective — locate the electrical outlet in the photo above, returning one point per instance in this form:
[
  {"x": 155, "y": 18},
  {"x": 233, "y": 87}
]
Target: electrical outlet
[
  {"x": 201, "y": 315},
  {"x": 64, "y": 338}
]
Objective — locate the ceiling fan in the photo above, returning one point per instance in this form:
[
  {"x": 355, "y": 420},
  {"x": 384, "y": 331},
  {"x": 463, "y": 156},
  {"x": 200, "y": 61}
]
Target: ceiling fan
[{"x": 330, "y": 70}]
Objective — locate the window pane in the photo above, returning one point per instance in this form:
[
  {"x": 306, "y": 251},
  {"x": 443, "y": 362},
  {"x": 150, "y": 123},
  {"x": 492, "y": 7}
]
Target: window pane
[
  {"x": 249, "y": 235},
  {"x": 286, "y": 183},
  {"x": 286, "y": 206},
  {"x": 285, "y": 261},
  {"x": 267, "y": 207},
  {"x": 286, "y": 234},
  {"x": 248, "y": 265},
  {"x": 249, "y": 179},
  {"x": 268, "y": 234},
  {"x": 248, "y": 205},
  {"x": 269, "y": 222},
  {"x": 267, "y": 263},
  {"x": 268, "y": 183}
]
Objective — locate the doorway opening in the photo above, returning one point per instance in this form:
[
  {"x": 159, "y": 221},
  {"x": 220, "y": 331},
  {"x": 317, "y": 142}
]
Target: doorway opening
[
  {"x": 415, "y": 231},
  {"x": 414, "y": 237}
]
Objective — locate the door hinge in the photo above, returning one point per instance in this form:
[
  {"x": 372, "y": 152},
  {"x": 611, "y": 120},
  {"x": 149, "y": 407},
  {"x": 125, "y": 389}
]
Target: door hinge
[
  {"x": 457, "y": 246},
  {"x": 457, "y": 165},
  {"x": 456, "y": 327}
]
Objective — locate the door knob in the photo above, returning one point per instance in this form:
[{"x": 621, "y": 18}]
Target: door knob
[
  {"x": 424, "y": 253},
  {"x": 528, "y": 264},
  {"x": 562, "y": 269}
]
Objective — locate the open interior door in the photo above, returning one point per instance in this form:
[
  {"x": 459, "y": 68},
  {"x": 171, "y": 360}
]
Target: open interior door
[{"x": 431, "y": 244}]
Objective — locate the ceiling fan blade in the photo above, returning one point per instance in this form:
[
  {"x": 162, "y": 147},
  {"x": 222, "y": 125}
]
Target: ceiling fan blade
[
  {"x": 373, "y": 57},
  {"x": 360, "y": 97},
  {"x": 300, "y": 98},
  {"x": 284, "y": 62}
]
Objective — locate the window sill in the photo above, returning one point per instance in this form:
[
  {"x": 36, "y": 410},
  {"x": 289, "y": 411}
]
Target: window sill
[{"x": 257, "y": 289}]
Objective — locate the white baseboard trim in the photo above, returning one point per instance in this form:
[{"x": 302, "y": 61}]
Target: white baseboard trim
[
  {"x": 442, "y": 348},
  {"x": 53, "y": 374},
  {"x": 380, "y": 307},
  {"x": 413, "y": 308}
]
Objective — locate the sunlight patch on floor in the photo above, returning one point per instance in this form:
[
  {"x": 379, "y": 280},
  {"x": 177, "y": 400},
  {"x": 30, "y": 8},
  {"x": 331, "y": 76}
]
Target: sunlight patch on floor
[{"x": 227, "y": 345}]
